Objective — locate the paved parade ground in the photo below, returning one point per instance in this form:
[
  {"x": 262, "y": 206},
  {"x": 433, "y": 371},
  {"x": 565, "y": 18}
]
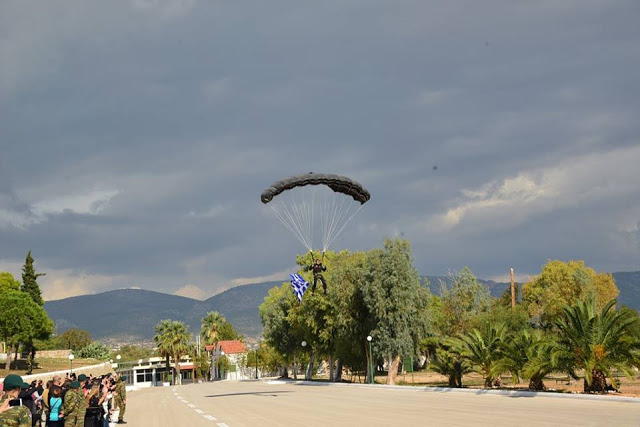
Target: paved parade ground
[{"x": 276, "y": 403}]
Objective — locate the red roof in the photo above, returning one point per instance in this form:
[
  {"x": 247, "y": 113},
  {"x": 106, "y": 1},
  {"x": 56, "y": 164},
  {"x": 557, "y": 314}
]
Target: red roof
[
  {"x": 186, "y": 367},
  {"x": 232, "y": 347},
  {"x": 208, "y": 347}
]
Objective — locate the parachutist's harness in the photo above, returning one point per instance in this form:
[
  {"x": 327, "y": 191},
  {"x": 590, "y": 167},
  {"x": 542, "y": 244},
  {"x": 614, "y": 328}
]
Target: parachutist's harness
[{"x": 317, "y": 268}]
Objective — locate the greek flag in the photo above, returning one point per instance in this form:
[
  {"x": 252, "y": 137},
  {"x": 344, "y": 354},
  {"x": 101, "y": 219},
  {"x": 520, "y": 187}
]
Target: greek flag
[{"x": 299, "y": 285}]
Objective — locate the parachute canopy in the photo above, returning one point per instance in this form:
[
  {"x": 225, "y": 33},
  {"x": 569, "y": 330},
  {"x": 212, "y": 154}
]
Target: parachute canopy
[
  {"x": 315, "y": 204},
  {"x": 339, "y": 184}
]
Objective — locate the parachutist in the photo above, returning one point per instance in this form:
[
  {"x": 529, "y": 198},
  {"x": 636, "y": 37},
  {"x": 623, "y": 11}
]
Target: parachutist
[{"x": 317, "y": 268}]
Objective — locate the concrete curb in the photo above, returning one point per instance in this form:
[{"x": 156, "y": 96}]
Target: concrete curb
[{"x": 509, "y": 393}]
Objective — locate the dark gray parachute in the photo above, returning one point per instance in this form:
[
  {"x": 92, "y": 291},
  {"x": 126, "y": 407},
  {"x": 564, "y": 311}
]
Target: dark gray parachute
[{"x": 337, "y": 183}]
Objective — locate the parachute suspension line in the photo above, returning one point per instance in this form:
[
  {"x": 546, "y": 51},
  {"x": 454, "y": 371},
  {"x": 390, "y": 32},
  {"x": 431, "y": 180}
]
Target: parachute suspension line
[
  {"x": 336, "y": 214},
  {"x": 340, "y": 214},
  {"x": 296, "y": 219},
  {"x": 333, "y": 209},
  {"x": 300, "y": 211},
  {"x": 344, "y": 225},
  {"x": 306, "y": 216},
  {"x": 290, "y": 226},
  {"x": 288, "y": 217}
]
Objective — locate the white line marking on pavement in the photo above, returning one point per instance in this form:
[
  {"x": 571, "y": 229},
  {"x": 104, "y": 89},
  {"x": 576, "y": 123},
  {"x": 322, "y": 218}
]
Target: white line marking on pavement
[
  {"x": 222, "y": 425},
  {"x": 191, "y": 405},
  {"x": 209, "y": 417},
  {"x": 199, "y": 411}
]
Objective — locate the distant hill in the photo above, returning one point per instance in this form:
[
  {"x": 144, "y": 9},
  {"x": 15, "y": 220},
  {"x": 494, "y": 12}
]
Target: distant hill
[
  {"x": 130, "y": 315},
  {"x": 629, "y": 285}
]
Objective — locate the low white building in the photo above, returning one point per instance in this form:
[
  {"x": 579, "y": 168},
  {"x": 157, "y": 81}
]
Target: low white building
[
  {"x": 236, "y": 353},
  {"x": 152, "y": 372}
]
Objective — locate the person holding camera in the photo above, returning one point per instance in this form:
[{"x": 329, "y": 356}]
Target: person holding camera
[{"x": 12, "y": 413}]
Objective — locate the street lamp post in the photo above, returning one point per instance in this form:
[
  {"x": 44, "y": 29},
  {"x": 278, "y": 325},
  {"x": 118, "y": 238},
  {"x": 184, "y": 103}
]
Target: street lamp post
[
  {"x": 370, "y": 338},
  {"x": 304, "y": 346},
  {"x": 221, "y": 370},
  {"x": 256, "y": 362},
  {"x": 71, "y": 357}
]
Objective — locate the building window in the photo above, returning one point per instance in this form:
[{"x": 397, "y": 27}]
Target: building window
[{"x": 144, "y": 375}]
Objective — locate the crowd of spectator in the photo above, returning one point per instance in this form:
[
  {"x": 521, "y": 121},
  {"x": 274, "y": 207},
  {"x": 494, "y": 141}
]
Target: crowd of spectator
[{"x": 72, "y": 401}]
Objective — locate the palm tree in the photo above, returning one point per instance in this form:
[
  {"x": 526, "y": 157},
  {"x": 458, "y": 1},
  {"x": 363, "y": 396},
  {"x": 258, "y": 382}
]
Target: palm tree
[
  {"x": 172, "y": 339},
  {"x": 162, "y": 342},
  {"x": 212, "y": 323},
  {"x": 526, "y": 354},
  {"x": 450, "y": 365},
  {"x": 179, "y": 337},
  {"x": 539, "y": 365},
  {"x": 597, "y": 343},
  {"x": 482, "y": 349}
]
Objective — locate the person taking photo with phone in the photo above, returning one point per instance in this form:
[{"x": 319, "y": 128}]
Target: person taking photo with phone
[{"x": 12, "y": 413}]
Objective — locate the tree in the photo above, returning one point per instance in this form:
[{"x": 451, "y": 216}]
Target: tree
[
  {"x": 460, "y": 303},
  {"x": 396, "y": 302},
  {"x": 596, "y": 342},
  {"x": 8, "y": 282},
  {"x": 22, "y": 320},
  {"x": 210, "y": 328},
  {"x": 75, "y": 339},
  {"x": 172, "y": 339},
  {"x": 565, "y": 283},
  {"x": 351, "y": 323},
  {"x": 215, "y": 328},
  {"x": 450, "y": 364},
  {"x": 228, "y": 332},
  {"x": 95, "y": 350},
  {"x": 482, "y": 349},
  {"x": 538, "y": 364},
  {"x": 201, "y": 363},
  {"x": 30, "y": 280},
  {"x": 163, "y": 344}
]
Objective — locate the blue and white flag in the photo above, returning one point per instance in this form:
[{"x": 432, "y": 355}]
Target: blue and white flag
[{"x": 299, "y": 285}]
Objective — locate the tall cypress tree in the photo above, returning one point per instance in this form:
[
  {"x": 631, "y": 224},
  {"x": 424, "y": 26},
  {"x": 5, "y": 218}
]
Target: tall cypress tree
[{"x": 30, "y": 280}]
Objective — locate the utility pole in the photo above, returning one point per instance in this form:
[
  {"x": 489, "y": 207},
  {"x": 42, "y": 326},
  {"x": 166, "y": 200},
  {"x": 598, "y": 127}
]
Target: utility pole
[{"x": 513, "y": 292}]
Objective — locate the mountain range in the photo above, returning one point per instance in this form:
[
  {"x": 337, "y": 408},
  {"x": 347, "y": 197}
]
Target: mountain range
[{"x": 130, "y": 315}]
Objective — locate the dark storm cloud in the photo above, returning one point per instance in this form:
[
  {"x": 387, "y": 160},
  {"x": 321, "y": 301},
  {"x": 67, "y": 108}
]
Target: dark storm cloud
[{"x": 137, "y": 137}]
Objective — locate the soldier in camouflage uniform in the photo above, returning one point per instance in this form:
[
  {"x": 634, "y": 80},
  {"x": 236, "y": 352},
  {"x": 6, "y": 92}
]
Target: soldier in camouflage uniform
[
  {"x": 13, "y": 416},
  {"x": 74, "y": 406},
  {"x": 121, "y": 398}
]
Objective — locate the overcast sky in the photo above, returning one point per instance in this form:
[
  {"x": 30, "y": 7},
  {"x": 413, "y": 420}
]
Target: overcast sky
[{"x": 137, "y": 136}]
